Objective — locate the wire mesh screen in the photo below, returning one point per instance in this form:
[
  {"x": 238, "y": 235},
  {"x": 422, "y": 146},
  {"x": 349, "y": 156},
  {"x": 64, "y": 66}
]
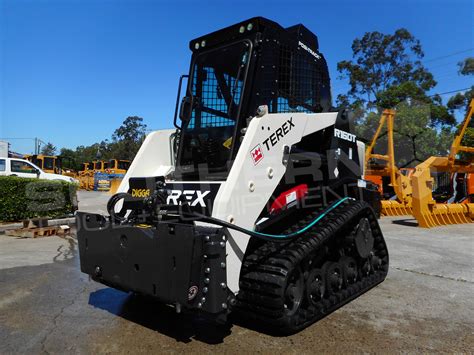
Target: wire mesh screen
[{"x": 298, "y": 87}]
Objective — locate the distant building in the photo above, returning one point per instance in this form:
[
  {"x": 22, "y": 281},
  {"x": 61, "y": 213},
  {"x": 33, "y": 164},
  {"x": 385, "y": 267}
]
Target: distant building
[
  {"x": 4, "y": 149},
  {"x": 15, "y": 155},
  {"x": 6, "y": 153}
]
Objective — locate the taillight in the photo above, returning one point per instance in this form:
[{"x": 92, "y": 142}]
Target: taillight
[{"x": 289, "y": 198}]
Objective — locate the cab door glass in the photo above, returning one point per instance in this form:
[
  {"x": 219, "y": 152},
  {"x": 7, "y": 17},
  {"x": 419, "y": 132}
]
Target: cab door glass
[
  {"x": 215, "y": 89},
  {"x": 2, "y": 165}
]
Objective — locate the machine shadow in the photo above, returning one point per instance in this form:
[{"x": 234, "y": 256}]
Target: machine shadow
[
  {"x": 408, "y": 222},
  {"x": 156, "y": 316}
]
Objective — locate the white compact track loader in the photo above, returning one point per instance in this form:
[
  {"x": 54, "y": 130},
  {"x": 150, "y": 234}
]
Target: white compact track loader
[{"x": 255, "y": 203}]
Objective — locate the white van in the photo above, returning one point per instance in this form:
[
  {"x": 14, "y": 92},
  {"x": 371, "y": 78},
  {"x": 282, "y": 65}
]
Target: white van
[{"x": 24, "y": 168}]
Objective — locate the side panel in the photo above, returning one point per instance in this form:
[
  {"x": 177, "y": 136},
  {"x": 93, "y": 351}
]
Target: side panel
[
  {"x": 256, "y": 172},
  {"x": 155, "y": 158}
]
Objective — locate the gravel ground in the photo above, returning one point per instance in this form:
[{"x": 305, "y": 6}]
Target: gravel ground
[{"x": 425, "y": 304}]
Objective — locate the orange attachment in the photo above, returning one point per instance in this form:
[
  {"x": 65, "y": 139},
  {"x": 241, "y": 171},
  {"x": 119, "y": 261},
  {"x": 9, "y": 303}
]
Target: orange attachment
[{"x": 377, "y": 180}]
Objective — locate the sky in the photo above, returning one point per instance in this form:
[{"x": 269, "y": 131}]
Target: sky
[{"x": 72, "y": 70}]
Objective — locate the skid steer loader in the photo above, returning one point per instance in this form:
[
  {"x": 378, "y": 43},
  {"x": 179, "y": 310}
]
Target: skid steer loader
[{"x": 255, "y": 203}]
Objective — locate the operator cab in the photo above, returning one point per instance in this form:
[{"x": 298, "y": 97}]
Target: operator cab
[{"x": 234, "y": 71}]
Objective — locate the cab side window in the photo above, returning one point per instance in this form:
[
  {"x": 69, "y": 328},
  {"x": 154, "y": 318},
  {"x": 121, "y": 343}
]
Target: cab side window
[
  {"x": 18, "y": 166},
  {"x": 2, "y": 164}
]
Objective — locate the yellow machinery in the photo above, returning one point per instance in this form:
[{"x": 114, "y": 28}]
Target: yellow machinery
[
  {"x": 86, "y": 176},
  {"x": 114, "y": 166},
  {"x": 99, "y": 165},
  {"x": 118, "y": 167},
  {"x": 47, "y": 163},
  {"x": 64, "y": 170},
  {"x": 50, "y": 164},
  {"x": 425, "y": 209},
  {"x": 399, "y": 178}
]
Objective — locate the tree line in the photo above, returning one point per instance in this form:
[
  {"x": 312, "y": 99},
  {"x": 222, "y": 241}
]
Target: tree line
[
  {"x": 385, "y": 71},
  {"x": 124, "y": 144}
]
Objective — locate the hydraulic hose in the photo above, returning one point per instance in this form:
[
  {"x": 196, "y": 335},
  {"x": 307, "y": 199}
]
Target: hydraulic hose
[
  {"x": 117, "y": 217},
  {"x": 272, "y": 237},
  {"x": 120, "y": 218}
]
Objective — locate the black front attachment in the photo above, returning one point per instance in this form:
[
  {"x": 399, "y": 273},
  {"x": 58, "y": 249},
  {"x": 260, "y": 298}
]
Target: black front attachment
[{"x": 176, "y": 263}]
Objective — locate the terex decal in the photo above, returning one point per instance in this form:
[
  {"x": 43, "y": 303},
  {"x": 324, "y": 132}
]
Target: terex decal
[
  {"x": 257, "y": 152},
  {"x": 344, "y": 135},
  {"x": 279, "y": 133}
]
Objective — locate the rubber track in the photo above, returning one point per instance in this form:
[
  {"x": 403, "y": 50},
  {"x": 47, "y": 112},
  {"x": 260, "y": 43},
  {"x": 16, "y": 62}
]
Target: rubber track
[{"x": 265, "y": 269}]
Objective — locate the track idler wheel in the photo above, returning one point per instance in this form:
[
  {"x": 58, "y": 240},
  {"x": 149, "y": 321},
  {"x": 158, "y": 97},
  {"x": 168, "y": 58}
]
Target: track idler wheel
[
  {"x": 334, "y": 278},
  {"x": 364, "y": 240},
  {"x": 294, "y": 292},
  {"x": 349, "y": 270},
  {"x": 315, "y": 286}
]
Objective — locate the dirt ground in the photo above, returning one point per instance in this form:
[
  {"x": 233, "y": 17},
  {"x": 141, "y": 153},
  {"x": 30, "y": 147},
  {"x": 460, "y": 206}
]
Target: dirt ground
[{"x": 425, "y": 304}]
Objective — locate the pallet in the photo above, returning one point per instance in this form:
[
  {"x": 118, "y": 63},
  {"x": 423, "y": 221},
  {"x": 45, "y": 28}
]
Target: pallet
[
  {"x": 38, "y": 232},
  {"x": 35, "y": 223}
]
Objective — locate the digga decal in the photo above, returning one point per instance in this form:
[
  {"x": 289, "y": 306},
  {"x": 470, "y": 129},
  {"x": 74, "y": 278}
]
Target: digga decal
[
  {"x": 256, "y": 154},
  {"x": 140, "y": 192}
]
